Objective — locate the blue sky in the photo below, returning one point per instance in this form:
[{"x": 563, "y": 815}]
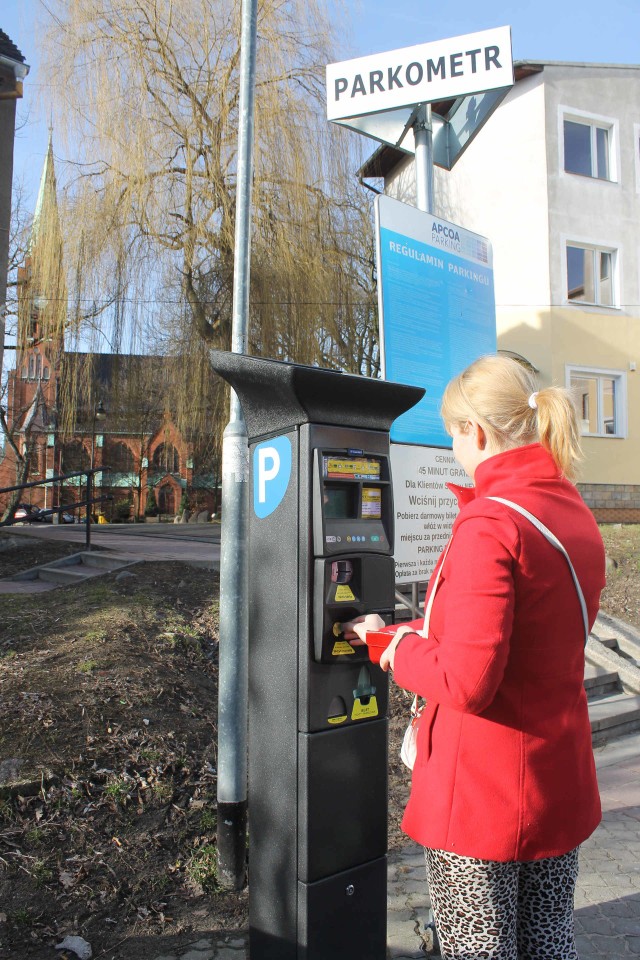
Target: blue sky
[{"x": 574, "y": 30}]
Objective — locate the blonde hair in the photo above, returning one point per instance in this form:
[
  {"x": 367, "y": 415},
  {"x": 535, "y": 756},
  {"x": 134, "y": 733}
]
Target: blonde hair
[{"x": 502, "y": 396}]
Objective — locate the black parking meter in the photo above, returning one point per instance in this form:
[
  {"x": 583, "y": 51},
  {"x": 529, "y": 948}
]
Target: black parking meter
[{"x": 320, "y": 553}]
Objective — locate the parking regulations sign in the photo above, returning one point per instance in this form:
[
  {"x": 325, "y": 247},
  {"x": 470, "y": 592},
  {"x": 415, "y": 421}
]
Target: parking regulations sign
[
  {"x": 424, "y": 508},
  {"x": 436, "y": 306}
]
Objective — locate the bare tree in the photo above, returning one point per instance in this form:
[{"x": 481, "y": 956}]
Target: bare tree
[
  {"x": 150, "y": 93},
  {"x": 19, "y": 228}
]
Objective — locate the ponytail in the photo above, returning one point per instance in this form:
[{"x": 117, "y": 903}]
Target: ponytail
[
  {"x": 502, "y": 396},
  {"x": 558, "y": 428}
]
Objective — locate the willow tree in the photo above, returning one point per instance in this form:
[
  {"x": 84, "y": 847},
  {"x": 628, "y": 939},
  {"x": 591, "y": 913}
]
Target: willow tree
[{"x": 148, "y": 96}]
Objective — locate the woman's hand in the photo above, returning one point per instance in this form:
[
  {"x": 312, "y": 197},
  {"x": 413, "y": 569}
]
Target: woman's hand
[
  {"x": 388, "y": 657},
  {"x": 355, "y": 630}
]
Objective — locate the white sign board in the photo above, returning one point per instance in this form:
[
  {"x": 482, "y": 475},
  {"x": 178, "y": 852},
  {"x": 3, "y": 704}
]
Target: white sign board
[
  {"x": 425, "y": 73},
  {"x": 424, "y": 509}
]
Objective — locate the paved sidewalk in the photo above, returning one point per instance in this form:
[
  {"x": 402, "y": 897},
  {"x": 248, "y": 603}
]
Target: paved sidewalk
[{"x": 608, "y": 894}]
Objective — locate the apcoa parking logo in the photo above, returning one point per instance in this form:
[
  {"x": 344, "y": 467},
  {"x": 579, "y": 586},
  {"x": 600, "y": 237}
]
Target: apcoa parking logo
[{"x": 271, "y": 474}]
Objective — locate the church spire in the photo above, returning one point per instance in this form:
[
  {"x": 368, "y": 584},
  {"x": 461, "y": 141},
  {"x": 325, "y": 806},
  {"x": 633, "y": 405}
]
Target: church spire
[
  {"x": 43, "y": 290},
  {"x": 47, "y": 202}
]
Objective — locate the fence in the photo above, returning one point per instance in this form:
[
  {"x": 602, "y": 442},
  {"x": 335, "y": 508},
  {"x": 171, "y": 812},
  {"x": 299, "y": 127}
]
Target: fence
[{"x": 87, "y": 503}]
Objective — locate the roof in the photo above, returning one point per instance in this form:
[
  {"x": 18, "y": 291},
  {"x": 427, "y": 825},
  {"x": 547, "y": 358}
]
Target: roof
[
  {"x": 535, "y": 66},
  {"x": 8, "y": 48}
]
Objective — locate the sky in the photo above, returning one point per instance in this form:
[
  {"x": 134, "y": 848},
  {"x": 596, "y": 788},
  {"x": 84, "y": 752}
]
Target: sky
[{"x": 572, "y": 30}]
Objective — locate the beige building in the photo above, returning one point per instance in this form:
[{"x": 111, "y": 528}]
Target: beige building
[{"x": 553, "y": 180}]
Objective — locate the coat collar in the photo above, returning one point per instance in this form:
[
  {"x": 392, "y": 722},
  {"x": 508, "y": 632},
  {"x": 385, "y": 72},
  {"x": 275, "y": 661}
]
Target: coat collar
[{"x": 500, "y": 473}]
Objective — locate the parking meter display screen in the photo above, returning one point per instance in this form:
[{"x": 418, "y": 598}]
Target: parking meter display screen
[{"x": 339, "y": 502}]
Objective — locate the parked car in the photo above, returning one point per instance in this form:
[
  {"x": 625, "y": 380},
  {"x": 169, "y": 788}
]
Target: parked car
[
  {"x": 27, "y": 513},
  {"x": 47, "y": 516}
]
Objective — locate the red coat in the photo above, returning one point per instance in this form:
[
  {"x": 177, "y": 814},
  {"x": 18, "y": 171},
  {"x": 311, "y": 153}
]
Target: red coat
[{"x": 505, "y": 768}]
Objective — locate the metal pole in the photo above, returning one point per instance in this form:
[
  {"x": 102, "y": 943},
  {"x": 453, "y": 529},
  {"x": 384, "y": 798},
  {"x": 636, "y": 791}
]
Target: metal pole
[
  {"x": 87, "y": 535},
  {"x": 423, "y": 133},
  {"x": 234, "y": 633}
]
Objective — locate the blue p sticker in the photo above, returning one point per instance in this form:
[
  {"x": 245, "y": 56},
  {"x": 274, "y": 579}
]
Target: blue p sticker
[{"x": 271, "y": 474}]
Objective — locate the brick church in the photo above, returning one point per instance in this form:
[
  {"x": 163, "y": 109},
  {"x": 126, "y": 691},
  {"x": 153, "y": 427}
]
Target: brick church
[{"x": 117, "y": 404}]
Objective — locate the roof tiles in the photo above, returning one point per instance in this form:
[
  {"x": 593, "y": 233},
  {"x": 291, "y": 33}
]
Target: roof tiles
[{"x": 8, "y": 48}]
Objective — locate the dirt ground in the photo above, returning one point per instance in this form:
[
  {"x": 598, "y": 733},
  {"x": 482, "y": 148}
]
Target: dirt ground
[{"x": 108, "y": 755}]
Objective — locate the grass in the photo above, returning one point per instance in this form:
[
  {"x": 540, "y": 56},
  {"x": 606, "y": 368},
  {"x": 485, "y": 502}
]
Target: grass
[
  {"x": 119, "y": 791},
  {"x": 202, "y": 868},
  {"x": 87, "y": 666}
]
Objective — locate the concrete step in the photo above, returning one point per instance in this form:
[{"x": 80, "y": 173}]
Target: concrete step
[
  {"x": 66, "y": 574},
  {"x": 74, "y": 569},
  {"x": 614, "y": 716},
  {"x": 627, "y": 652},
  {"x": 599, "y": 681},
  {"x": 105, "y": 561},
  {"x": 609, "y": 642}
]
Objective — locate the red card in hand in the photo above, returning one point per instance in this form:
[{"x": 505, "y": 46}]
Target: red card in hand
[{"x": 377, "y": 642}]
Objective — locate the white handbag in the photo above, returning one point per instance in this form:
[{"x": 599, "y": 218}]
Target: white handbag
[{"x": 409, "y": 748}]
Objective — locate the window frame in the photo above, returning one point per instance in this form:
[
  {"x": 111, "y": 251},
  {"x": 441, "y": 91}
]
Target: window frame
[
  {"x": 636, "y": 153},
  {"x": 597, "y": 248},
  {"x": 620, "y": 398},
  {"x": 594, "y": 121}
]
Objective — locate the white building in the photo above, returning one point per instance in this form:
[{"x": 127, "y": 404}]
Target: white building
[{"x": 553, "y": 180}]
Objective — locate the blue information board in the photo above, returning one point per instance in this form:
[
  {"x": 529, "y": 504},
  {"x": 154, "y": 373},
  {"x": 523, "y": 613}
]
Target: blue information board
[{"x": 436, "y": 306}]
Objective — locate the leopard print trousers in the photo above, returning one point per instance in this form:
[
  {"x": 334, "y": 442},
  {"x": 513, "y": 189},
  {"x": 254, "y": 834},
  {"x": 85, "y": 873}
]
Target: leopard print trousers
[{"x": 486, "y": 910}]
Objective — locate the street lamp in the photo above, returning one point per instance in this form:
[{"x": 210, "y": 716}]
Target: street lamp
[{"x": 99, "y": 415}]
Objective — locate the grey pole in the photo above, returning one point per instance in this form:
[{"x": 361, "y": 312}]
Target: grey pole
[
  {"x": 423, "y": 133},
  {"x": 233, "y": 649}
]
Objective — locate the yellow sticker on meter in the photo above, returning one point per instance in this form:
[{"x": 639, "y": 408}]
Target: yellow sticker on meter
[
  {"x": 363, "y": 710},
  {"x": 341, "y": 647},
  {"x": 340, "y": 719},
  {"x": 343, "y": 592}
]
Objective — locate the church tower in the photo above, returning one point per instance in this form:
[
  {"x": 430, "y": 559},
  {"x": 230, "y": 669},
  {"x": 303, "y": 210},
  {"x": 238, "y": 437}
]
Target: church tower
[{"x": 42, "y": 311}]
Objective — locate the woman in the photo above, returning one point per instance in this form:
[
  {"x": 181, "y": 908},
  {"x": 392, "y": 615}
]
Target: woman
[{"x": 504, "y": 787}]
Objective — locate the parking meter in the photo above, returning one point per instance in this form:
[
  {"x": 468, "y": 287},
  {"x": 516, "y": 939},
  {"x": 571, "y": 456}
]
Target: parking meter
[{"x": 320, "y": 553}]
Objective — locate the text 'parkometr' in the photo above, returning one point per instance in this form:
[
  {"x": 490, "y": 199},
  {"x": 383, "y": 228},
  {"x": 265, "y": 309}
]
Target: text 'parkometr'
[{"x": 424, "y": 73}]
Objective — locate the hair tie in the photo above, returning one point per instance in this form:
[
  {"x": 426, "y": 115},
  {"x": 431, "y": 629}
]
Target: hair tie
[{"x": 533, "y": 403}]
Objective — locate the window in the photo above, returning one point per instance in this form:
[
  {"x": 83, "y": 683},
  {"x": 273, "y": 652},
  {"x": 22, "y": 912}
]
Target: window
[
  {"x": 75, "y": 457},
  {"x": 166, "y": 459},
  {"x": 600, "y": 395},
  {"x": 587, "y": 149},
  {"x": 590, "y": 275},
  {"x": 120, "y": 458}
]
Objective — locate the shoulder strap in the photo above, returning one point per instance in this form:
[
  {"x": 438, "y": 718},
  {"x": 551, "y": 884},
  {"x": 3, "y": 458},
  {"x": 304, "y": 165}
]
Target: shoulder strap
[
  {"x": 553, "y": 540},
  {"x": 427, "y": 609}
]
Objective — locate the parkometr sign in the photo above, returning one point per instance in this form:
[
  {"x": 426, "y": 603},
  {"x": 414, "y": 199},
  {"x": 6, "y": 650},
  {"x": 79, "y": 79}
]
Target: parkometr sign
[{"x": 442, "y": 70}]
